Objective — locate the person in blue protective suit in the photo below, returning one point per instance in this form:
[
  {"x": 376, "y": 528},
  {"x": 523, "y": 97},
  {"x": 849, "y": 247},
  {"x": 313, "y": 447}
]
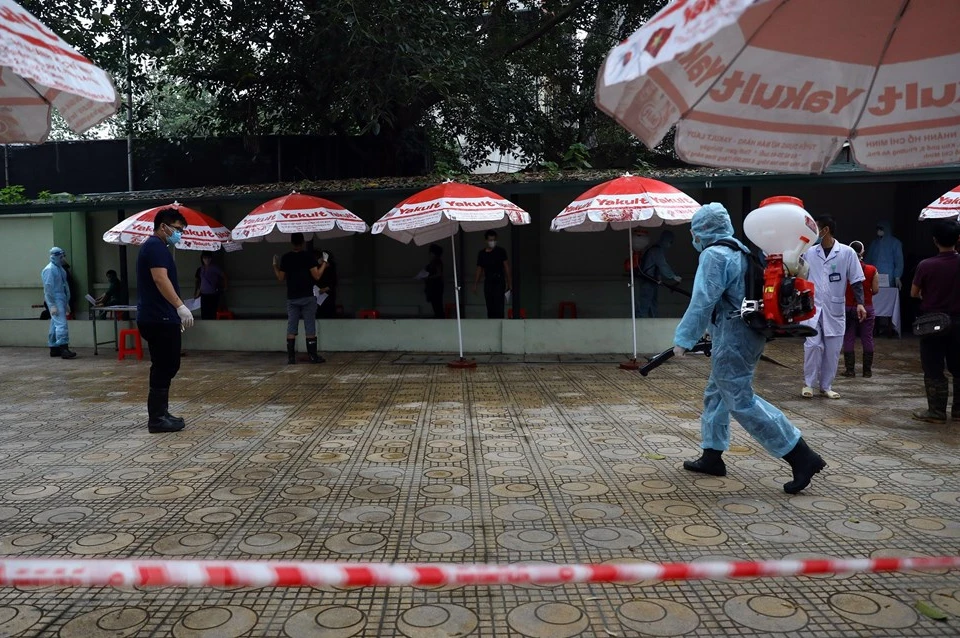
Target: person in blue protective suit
[
  {"x": 718, "y": 291},
  {"x": 886, "y": 254},
  {"x": 56, "y": 294},
  {"x": 654, "y": 265}
]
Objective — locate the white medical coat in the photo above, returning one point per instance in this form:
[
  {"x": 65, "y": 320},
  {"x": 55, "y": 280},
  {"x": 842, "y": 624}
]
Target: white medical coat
[{"x": 830, "y": 275}]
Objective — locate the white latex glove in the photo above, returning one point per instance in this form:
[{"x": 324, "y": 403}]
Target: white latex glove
[
  {"x": 276, "y": 260},
  {"x": 325, "y": 256},
  {"x": 679, "y": 352},
  {"x": 677, "y": 279},
  {"x": 186, "y": 317},
  {"x": 54, "y": 311}
]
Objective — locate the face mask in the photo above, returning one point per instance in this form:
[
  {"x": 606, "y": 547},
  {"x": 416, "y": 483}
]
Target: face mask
[
  {"x": 880, "y": 232},
  {"x": 492, "y": 243},
  {"x": 698, "y": 244},
  {"x": 175, "y": 236}
]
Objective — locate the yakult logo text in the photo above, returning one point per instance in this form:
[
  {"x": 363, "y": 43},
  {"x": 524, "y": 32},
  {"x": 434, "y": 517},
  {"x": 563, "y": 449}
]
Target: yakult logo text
[
  {"x": 946, "y": 200},
  {"x": 753, "y": 90},
  {"x": 913, "y": 96},
  {"x": 700, "y": 65}
]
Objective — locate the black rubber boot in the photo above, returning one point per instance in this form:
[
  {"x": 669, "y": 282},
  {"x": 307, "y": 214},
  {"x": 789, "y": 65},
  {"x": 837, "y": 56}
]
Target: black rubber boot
[
  {"x": 55, "y": 351},
  {"x": 805, "y": 463},
  {"x": 67, "y": 353},
  {"x": 159, "y": 421},
  {"x": 166, "y": 411},
  {"x": 291, "y": 351},
  {"x": 710, "y": 463},
  {"x": 312, "y": 352},
  {"x": 938, "y": 392},
  {"x": 867, "y": 365},
  {"x": 849, "y": 364}
]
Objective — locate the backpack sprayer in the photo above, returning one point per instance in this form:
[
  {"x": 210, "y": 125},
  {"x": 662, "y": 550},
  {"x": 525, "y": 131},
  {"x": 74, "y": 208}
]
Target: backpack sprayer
[{"x": 783, "y": 230}]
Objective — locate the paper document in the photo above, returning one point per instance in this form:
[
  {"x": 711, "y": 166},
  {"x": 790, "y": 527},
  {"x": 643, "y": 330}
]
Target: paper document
[
  {"x": 192, "y": 304},
  {"x": 884, "y": 280},
  {"x": 93, "y": 302},
  {"x": 321, "y": 296},
  {"x": 423, "y": 274}
]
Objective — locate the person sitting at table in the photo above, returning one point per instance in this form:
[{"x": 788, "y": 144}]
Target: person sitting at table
[{"x": 116, "y": 294}]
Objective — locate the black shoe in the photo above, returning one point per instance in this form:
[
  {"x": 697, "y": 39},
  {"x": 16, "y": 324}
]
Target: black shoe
[
  {"x": 175, "y": 419},
  {"x": 164, "y": 424},
  {"x": 291, "y": 351},
  {"x": 67, "y": 353},
  {"x": 55, "y": 351},
  {"x": 805, "y": 463},
  {"x": 849, "y": 363},
  {"x": 710, "y": 463},
  {"x": 312, "y": 352}
]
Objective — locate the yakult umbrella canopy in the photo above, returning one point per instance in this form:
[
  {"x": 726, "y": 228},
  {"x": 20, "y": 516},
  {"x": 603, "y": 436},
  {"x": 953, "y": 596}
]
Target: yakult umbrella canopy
[
  {"x": 38, "y": 69},
  {"x": 947, "y": 206},
  {"x": 626, "y": 202},
  {"x": 782, "y": 84},
  {"x": 277, "y": 219},
  {"x": 202, "y": 232},
  {"x": 440, "y": 211}
]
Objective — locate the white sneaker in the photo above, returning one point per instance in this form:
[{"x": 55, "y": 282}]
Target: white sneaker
[
  {"x": 830, "y": 394},
  {"x": 807, "y": 392}
]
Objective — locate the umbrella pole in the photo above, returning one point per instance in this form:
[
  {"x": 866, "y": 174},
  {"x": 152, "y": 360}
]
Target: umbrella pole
[
  {"x": 632, "y": 363},
  {"x": 461, "y": 362}
]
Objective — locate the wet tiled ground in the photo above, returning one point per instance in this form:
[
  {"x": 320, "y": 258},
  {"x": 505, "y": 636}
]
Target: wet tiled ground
[{"x": 363, "y": 459}]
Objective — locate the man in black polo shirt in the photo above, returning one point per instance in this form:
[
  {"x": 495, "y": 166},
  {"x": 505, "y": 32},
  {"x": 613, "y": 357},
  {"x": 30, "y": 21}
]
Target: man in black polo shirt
[
  {"x": 300, "y": 270},
  {"x": 494, "y": 268},
  {"x": 161, "y": 315}
]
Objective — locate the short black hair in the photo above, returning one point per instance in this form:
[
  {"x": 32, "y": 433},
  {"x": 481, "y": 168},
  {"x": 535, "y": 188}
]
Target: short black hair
[
  {"x": 168, "y": 216},
  {"x": 489, "y": 234},
  {"x": 112, "y": 272},
  {"x": 297, "y": 239},
  {"x": 829, "y": 222},
  {"x": 436, "y": 250},
  {"x": 857, "y": 246},
  {"x": 206, "y": 255},
  {"x": 946, "y": 233}
]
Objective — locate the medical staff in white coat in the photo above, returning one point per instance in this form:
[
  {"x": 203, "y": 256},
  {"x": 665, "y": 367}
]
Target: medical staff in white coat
[{"x": 832, "y": 266}]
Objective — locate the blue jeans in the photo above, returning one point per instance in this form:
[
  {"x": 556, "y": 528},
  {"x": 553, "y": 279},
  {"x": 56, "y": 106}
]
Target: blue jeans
[{"x": 303, "y": 308}]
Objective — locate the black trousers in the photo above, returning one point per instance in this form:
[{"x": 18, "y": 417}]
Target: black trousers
[
  {"x": 209, "y": 304},
  {"x": 438, "y": 310},
  {"x": 493, "y": 291},
  {"x": 937, "y": 352},
  {"x": 163, "y": 341}
]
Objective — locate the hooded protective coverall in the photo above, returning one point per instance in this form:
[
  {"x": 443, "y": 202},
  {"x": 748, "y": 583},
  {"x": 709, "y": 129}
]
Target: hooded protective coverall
[
  {"x": 654, "y": 264},
  {"x": 886, "y": 254},
  {"x": 56, "y": 293},
  {"x": 719, "y": 285}
]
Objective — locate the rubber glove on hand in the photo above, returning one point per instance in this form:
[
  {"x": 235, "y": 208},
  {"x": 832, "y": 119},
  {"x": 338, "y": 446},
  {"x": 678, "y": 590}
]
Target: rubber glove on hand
[
  {"x": 679, "y": 352},
  {"x": 54, "y": 311},
  {"x": 186, "y": 317},
  {"x": 677, "y": 279},
  {"x": 325, "y": 256}
]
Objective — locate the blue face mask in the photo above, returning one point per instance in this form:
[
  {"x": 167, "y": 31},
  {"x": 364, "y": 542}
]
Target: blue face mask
[
  {"x": 698, "y": 244},
  {"x": 817, "y": 243},
  {"x": 174, "y": 237}
]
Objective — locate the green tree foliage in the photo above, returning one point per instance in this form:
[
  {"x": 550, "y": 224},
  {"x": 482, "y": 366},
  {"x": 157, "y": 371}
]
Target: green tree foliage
[{"x": 475, "y": 75}]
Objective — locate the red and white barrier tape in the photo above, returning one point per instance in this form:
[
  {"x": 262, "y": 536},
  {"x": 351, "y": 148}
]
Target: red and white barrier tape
[{"x": 177, "y": 573}]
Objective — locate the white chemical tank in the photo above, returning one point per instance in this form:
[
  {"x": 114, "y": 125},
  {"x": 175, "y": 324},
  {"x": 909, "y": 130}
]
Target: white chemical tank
[{"x": 781, "y": 226}]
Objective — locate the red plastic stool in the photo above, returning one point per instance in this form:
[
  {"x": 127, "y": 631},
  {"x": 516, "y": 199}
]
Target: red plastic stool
[
  {"x": 224, "y": 314},
  {"x": 368, "y": 314},
  {"x": 568, "y": 305},
  {"x": 523, "y": 313},
  {"x": 137, "y": 348}
]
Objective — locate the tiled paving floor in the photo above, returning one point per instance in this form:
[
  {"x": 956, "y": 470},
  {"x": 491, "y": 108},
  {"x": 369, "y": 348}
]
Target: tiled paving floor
[{"x": 360, "y": 459}]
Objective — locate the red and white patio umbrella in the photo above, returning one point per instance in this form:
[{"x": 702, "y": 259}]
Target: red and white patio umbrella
[
  {"x": 440, "y": 212},
  {"x": 202, "y": 232},
  {"x": 38, "y": 70},
  {"x": 625, "y": 203},
  {"x": 947, "y": 206},
  {"x": 275, "y": 220},
  {"x": 781, "y": 84}
]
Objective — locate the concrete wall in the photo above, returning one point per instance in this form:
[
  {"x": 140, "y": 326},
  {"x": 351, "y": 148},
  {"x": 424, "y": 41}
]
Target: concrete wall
[
  {"x": 25, "y": 242},
  {"x": 535, "y": 336}
]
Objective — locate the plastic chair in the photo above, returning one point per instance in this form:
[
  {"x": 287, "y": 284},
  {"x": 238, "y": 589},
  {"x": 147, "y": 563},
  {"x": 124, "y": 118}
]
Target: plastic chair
[
  {"x": 224, "y": 314},
  {"x": 567, "y": 305},
  {"x": 523, "y": 313},
  {"x": 368, "y": 314},
  {"x": 137, "y": 347}
]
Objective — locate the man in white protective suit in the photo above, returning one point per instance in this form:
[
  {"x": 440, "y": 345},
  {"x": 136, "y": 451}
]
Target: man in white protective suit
[{"x": 832, "y": 266}]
